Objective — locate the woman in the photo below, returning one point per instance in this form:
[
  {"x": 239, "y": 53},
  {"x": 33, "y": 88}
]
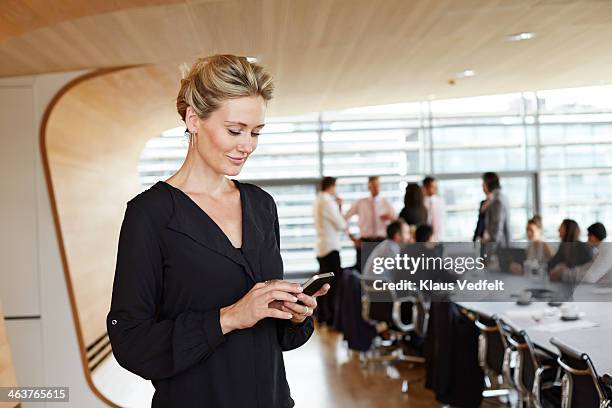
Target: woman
[
  {"x": 199, "y": 305},
  {"x": 414, "y": 211},
  {"x": 572, "y": 252},
  {"x": 537, "y": 249}
]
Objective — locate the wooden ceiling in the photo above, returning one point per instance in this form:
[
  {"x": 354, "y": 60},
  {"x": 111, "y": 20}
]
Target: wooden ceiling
[{"x": 325, "y": 54}]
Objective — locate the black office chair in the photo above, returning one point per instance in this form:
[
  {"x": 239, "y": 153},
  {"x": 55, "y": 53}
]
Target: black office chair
[
  {"x": 401, "y": 316},
  {"x": 535, "y": 371},
  {"x": 494, "y": 357},
  {"x": 581, "y": 386}
]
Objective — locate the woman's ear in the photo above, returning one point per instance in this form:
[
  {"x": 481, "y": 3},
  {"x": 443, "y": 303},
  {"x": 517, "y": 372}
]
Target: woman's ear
[{"x": 191, "y": 120}]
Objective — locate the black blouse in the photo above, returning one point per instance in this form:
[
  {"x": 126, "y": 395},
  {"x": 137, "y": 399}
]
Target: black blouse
[{"x": 175, "y": 270}]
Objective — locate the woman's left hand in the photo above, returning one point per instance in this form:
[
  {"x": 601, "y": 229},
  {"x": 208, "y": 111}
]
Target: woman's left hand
[{"x": 302, "y": 311}]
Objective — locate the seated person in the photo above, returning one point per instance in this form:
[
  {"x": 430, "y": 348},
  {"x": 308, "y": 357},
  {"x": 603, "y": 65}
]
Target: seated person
[
  {"x": 538, "y": 251},
  {"x": 424, "y": 233},
  {"x": 571, "y": 253},
  {"x": 600, "y": 270},
  {"x": 398, "y": 233}
]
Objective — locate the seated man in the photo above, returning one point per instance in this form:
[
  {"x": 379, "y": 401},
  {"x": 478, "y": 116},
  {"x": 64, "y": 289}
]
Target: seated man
[
  {"x": 600, "y": 270},
  {"x": 398, "y": 233}
]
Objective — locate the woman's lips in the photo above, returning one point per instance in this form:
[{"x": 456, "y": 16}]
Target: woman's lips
[{"x": 236, "y": 160}]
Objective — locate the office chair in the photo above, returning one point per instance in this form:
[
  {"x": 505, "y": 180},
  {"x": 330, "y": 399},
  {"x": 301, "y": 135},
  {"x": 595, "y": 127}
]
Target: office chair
[
  {"x": 535, "y": 372},
  {"x": 495, "y": 358},
  {"x": 581, "y": 386},
  {"x": 392, "y": 312}
]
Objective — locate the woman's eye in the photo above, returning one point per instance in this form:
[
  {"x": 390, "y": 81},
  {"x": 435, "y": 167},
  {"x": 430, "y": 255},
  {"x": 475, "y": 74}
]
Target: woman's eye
[
  {"x": 233, "y": 132},
  {"x": 254, "y": 134}
]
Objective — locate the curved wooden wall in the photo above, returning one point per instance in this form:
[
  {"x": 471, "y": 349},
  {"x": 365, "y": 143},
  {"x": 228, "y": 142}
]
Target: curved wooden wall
[{"x": 91, "y": 140}]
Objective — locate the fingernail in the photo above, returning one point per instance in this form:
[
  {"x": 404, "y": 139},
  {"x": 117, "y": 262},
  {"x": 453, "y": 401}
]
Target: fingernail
[
  {"x": 294, "y": 298},
  {"x": 290, "y": 315},
  {"x": 299, "y": 288}
]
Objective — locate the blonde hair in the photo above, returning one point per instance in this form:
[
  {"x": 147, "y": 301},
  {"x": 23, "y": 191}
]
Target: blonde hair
[{"x": 214, "y": 79}]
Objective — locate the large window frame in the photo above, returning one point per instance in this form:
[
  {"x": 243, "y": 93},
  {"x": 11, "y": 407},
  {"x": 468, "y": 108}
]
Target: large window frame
[{"x": 423, "y": 125}]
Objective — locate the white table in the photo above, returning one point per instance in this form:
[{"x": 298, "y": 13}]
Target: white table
[{"x": 595, "y": 341}]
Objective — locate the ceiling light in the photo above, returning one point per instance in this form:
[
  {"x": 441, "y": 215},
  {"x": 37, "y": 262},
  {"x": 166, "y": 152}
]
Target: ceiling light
[
  {"x": 521, "y": 36},
  {"x": 252, "y": 60},
  {"x": 466, "y": 73}
]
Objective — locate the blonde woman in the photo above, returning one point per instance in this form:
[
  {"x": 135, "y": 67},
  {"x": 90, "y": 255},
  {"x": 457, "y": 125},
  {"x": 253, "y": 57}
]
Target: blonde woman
[
  {"x": 199, "y": 306},
  {"x": 537, "y": 250}
]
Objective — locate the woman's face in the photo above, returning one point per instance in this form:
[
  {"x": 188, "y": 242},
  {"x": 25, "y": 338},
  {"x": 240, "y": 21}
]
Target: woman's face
[
  {"x": 226, "y": 139},
  {"x": 533, "y": 232},
  {"x": 561, "y": 231}
]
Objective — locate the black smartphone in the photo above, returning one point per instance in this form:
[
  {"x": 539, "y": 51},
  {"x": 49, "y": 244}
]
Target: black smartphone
[{"x": 316, "y": 282}]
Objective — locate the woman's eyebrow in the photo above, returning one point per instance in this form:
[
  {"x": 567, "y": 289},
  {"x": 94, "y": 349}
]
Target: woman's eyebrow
[{"x": 243, "y": 124}]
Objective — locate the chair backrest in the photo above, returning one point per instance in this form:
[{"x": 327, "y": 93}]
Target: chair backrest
[
  {"x": 494, "y": 348},
  {"x": 513, "y": 344},
  {"x": 420, "y": 314},
  {"x": 378, "y": 305},
  {"x": 529, "y": 359},
  {"x": 581, "y": 386}
]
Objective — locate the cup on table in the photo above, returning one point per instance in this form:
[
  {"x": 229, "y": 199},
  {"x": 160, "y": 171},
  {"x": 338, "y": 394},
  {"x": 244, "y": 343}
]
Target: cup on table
[
  {"x": 524, "y": 298},
  {"x": 569, "y": 311}
]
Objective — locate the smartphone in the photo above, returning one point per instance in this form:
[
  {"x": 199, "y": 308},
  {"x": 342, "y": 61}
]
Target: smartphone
[{"x": 316, "y": 282}]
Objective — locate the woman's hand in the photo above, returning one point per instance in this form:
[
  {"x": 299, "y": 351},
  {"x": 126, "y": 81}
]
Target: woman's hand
[
  {"x": 301, "y": 312},
  {"x": 254, "y": 306}
]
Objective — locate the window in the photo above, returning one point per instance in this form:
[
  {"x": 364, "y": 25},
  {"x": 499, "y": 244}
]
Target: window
[{"x": 559, "y": 141}]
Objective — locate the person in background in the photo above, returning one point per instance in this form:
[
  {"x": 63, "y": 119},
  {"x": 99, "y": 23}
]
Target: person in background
[
  {"x": 374, "y": 213},
  {"x": 538, "y": 251},
  {"x": 398, "y": 233},
  {"x": 480, "y": 223},
  {"x": 329, "y": 227},
  {"x": 414, "y": 211},
  {"x": 571, "y": 253},
  {"x": 600, "y": 270},
  {"x": 496, "y": 213},
  {"x": 424, "y": 233},
  {"x": 435, "y": 207}
]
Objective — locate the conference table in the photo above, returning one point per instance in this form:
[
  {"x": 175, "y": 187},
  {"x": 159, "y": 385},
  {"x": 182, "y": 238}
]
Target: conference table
[{"x": 591, "y": 334}]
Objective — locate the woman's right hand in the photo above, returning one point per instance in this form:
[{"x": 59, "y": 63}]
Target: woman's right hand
[{"x": 254, "y": 306}]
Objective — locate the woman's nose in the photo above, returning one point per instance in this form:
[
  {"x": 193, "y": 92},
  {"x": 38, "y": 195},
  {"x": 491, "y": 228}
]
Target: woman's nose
[{"x": 246, "y": 145}]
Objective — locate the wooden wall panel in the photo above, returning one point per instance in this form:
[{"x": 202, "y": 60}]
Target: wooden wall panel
[
  {"x": 93, "y": 138},
  {"x": 329, "y": 54}
]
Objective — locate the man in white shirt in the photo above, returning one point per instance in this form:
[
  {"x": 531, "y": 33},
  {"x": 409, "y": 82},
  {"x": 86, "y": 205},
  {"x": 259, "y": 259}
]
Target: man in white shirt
[
  {"x": 329, "y": 227},
  {"x": 374, "y": 213},
  {"x": 600, "y": 270},
  {"x": 435, "y": 208}
]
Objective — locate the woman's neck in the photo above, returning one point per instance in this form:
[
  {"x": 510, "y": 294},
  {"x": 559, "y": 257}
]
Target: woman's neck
[{"x": 196, "y": 176}]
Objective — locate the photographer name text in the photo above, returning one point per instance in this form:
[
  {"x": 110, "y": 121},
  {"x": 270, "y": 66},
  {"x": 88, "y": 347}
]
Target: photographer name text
[{"x": 430, "y": 285}]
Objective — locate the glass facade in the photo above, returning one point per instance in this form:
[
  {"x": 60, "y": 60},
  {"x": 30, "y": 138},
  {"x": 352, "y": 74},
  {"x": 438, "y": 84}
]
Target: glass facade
[{"x": 552, "y": 149}]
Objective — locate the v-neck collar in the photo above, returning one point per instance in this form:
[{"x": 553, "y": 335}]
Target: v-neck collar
[
  {"x": 190, "y": 219},
  {"x": 205, "y": 214}
]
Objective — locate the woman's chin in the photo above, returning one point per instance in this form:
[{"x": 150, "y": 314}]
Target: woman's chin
[{"x": 232, "y": 170}]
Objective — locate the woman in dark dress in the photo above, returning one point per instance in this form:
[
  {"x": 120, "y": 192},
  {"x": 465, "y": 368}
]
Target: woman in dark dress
[
  {"x": 199, "y": 306},
  {"x": 414, "y": 211},
  {"x": 572, "y": 252}
]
